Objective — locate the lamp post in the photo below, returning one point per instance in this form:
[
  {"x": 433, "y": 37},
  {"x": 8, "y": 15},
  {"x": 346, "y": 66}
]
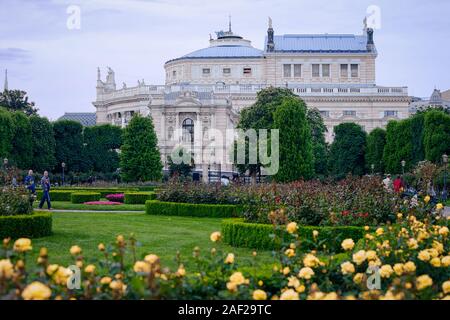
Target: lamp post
[
  {"x": 403, "y": 166},
  {"x": 372, "y": 166},
  {"x": 445, "y": 162},
  {"x": 63, "y": 166}
]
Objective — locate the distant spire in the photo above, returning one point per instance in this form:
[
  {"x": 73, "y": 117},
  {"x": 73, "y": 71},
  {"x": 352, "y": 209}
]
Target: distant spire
[
  {"x": 6, "y": 80},
  {"x": 99, "y": 76},
  {"x": 229, "y": 23}
]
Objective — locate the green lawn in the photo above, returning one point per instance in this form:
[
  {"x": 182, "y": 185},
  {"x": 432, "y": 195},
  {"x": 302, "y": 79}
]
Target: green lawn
[
  {"x": 160, "y": 235},
  {"x": 62, "y": 205}
]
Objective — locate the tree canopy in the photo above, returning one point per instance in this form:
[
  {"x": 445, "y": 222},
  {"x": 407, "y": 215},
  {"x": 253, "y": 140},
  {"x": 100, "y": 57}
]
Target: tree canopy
[{"x": 17, "y": 100}]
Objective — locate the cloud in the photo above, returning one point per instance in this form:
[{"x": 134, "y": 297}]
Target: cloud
[{"x": 15, "y": 55}]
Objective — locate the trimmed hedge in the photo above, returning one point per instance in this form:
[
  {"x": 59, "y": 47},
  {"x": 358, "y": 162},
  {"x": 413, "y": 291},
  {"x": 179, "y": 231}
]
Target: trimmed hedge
[
  {"x": 57, "y": 195},
  {"x": 26, "y": 226},
  {"x": 238, "y": 233},
  {"x": 138, "y": 197},
  {"x": 82, "y": 197},
  {"x": 156, "y": 207}
]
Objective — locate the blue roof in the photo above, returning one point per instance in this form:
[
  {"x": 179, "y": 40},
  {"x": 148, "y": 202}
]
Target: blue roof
[
  {"x": 224, "y": 52},
  {"x": 320, "y": 43},
  {"x": 87, "y": 119}
]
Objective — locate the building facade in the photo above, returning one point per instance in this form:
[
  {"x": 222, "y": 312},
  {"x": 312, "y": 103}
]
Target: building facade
[{"x": 335, "y": 73}]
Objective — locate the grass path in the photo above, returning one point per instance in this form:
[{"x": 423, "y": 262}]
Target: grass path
[{"x": 160, "y": 235}]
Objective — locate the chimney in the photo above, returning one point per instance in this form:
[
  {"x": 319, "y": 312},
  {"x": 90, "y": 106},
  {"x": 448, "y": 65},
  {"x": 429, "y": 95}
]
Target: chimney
[{"x": 270, "y": 33}]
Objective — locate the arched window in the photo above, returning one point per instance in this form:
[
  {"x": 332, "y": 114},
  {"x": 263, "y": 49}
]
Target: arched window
[{"x": 188, "y": 131}]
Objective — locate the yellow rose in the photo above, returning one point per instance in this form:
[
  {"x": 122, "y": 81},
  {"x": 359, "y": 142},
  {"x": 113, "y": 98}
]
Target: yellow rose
[
  {"x": 61, "y": 275},
  {"x": 427, "y": 199},
  {"x": 347, "y": 268},
  {"x": 433, "y": 252},
  {"x": 181, "y": 272},
  {"x": 289, "y": 294},
  {"x": 348, "y": 244},
  {"x": 290, "y": 253},
  {"x": 409, "y": 266},
  {"x": 229, "y": 259},
  {"x": 359, "y": 257},
  {"x": 292, "y": 227},
  {"x": 366, "y": 228},
  {"x": 315, "y": 233},
  {"x": 6, "y": 269},
  {"x": 120, "y": 239},
  {"x": 439, "y": 206},
  {"x": 424, "y": 255},
  {"x": 75, "y": 250},
  {"x": 412, "y": 243},
  {"x": 439, "y": 247},
  {"x": 446, "y": 287},
  {"x": 379, "y": 231},
  {"x": 89, "y": 269},
  {"x": 118, "y": 285},
  {"x": 311, "y": 261},
  {"x": 435, "y": 262},
  {"x": 22, "y": 245},
  {"x": 101, "y": 247},
  {"x": 259, "y": 295},
  {"x": 423, "y": 282},
  {"x": 386, "y": 271},
  {"x": 371, "y": 255},
  {"x": 231, "y": 286},
  {"x": 293, "y": 282},
  {"x": 152, "y": 259},
  {"x": 286, "y": 271},
  {"x": 36, "y": 291},
  {"x": 306, "y": 273},
  {"x": 300, "y": 289},
  {"x": 358, "y": 278},
  {"x": 237, "y": 278},
  {"x": 398, "y": 269},
  {"x": 331, "y": 296},
  {"x": 105, "y": 280},
  {"x": 215, "y": 236},
  {"x": 443, "y": 231},
  {"x": 445, "y": 261},
  {"x": 141, "y": 267}
]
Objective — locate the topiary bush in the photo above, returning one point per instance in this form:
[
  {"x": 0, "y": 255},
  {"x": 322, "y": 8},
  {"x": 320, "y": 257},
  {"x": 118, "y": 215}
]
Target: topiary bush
[
  {"x": 139, "y": 197},
  {"x": 238, "y": 233},
  {"x": 30, "y": 225},
  {"x": 57, "y": 195},
  {"x": 82, "y": 197},
  {"x": 156, "y": 207}
]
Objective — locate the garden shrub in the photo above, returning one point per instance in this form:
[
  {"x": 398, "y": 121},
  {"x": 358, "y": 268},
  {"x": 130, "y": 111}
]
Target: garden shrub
[
  {"x": 82, "y": 197},
  {"x": 156, "y": 207},
  {"x": 57, "y": 195},
  {"x": 30, "y": 225},
  {"x": 139, "y": 197},
  {"x": 238, "y": 233},
  {"x": 15, "y": 202}
]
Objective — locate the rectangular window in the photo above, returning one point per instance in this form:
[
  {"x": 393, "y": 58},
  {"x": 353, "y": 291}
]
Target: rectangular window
[
  {"x": 344, "y": 70},
  {"x": 349, "y": 113},
  {"x": 326, "y": 70},
  {"x": 297, "y": 70},
  {"x": 325, "y": 114},
  {"x": 355, "y": 70},
  {"x": 286, "y": 70},
  {"x": 316, "y": 70},
  {"x": 206, "y": 70},
  {"x": 174, "y": 73},
  {"x": 390, "y": 113},
  {"x": 247, "y": 70},
  {"x": 226, "y": 70}
]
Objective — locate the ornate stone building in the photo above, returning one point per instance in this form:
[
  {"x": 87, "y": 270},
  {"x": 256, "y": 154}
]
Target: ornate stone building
[{"x": 206, "y": 89}]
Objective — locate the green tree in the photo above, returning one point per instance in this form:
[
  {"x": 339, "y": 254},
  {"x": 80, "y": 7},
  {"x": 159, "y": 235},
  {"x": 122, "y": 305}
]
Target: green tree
[
  {"x": 6, "y": 133},
  {"x": 17, "y": 100},
  {"x": 376, "y": 141},
  {"x": 43, "y": 144},
  {"x": 184, "y": 164},
  {"x": 436, "y": 135},
  {"x": 101, "y": 145},
  {"x": 296, "y": 154},
  {"x": 319, "y": 145},
  {"x": 417, "y": 128},
  {"x": 69, "y": 145},
  {"x": 347, "y": 150},
  {"x": 399, "y": 146},
  {"x": 22, "y": 144},
  {"x": 140, "y": 159}
]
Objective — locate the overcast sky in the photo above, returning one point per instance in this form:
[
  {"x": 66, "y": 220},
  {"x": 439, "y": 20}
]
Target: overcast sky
[{"x": 57, "y": 66}]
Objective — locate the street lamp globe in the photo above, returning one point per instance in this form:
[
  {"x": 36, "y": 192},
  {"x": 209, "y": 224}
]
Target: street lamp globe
[
  {"x": 5, "y": 161},
  {"x": 403, "y": 163},
  {"x": 445, "y": 158},
  {"x": 63, "y": 165}
]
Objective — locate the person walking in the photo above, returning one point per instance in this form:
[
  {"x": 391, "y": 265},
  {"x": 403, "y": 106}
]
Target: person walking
[
  {"x": 30, "y": 183},
  {"x": 45, "y": 183}
]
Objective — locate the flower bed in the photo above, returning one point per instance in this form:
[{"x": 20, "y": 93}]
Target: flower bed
[
  {"x": 238, "y": 233},
  {"x": 157, "y": 207},
  {"x": 103, "y": 203},
  {"x": 116, "y": 197},
  {"x": 82, "y": 197},
  {"x": 30, "y": 225},
  {"x": 139, "y": 197}
]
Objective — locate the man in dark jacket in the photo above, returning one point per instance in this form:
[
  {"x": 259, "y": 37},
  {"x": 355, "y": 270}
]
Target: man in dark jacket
[
  {"x": 45, "y": 183},
  {"x": 30, "y": 183}
]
